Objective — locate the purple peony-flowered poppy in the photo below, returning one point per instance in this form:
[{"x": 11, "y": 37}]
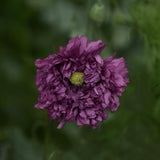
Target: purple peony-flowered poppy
[{"x": 77, "y": 84}]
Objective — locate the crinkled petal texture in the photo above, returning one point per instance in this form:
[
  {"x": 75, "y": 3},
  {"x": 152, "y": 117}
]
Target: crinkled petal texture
[{"x": 104, "y": 82}]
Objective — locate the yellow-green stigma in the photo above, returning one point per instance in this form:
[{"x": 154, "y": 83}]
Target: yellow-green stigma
[{"x": 77, "y": 78}]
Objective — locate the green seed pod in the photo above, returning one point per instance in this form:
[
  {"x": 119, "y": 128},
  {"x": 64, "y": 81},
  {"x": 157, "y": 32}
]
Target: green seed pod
[{"x": 77, "y": 78}]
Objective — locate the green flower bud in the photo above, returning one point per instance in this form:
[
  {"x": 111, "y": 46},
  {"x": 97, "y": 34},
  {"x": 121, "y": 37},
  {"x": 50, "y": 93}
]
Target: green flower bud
[{"x": 97, "y": 12}]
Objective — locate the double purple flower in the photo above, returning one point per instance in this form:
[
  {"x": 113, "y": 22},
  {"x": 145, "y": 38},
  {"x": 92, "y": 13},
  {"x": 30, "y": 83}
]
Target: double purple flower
[{"x": 76, "y": 84}]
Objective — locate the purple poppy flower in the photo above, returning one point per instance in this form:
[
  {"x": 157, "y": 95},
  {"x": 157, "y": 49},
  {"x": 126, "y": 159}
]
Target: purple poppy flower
[{"x": 77, "y": 84}]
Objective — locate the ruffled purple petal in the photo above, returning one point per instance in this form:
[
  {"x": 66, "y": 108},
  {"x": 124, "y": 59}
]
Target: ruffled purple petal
[{"x": 104, "y": 82}]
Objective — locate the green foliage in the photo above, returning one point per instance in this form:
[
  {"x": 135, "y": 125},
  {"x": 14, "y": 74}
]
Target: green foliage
[
  {"x": 28, "y": 31},
  {"x": 147, "y": 21}
]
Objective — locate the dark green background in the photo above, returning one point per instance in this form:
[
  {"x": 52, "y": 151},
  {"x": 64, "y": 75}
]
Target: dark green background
[{"x": 29, "y": 29}]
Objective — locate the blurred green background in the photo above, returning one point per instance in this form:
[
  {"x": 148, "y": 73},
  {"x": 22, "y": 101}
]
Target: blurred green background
[{"x": 29, "y": 29}]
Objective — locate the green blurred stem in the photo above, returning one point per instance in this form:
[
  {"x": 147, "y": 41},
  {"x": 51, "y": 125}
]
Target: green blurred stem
[
  {"x": 45, "y": 149},
  {"x": 89, "y": 26}
]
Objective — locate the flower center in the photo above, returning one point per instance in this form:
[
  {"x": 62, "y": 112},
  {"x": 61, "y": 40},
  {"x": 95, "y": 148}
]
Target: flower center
[{"x": 77, "y": 78}]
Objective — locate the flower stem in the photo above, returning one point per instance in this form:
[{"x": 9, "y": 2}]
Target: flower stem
[{"x": 45, "y": 146}]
